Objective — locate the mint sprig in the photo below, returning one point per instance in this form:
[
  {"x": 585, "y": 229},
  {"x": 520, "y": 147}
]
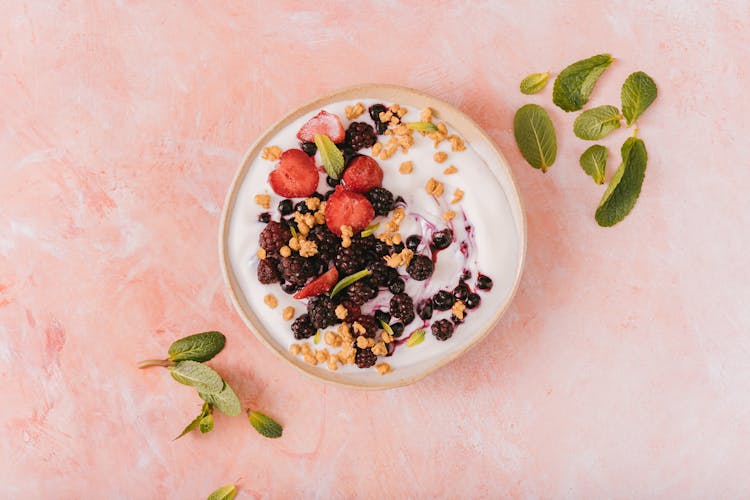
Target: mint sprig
[
  {"x": 330, "y": 155},
  {"x": 265, "y": 425},
  {"x": 534, "y": 83},
  {"x": 574, "y": 84},
  {"x": 535, "y": 136}
]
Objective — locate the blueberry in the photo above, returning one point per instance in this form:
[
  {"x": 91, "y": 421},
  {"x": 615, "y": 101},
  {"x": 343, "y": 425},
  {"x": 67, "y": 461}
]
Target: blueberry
[
  {"x": 397, "y": 286},
  {"x": 317, "y": 195},
  {"x": 456, "y": 320},
  {"x": 382, "y": 316},
  {"x": 329, "y": 193},
  {"x": 289, "y": 288},
  {"x": 413, "y": 241},
  {"x": 461, "y": 292},
  {"x": 332, "y": 182},
  {"x": 301, "y": 207},
  {"x": 424, "y": 310},
  {"x": 286, "y": 207},
  {"x": 466, "y": 275},
  {"x": 309, "y": 148},
  {"x": 398, "y": 247},
  {"x": 484, "y": 282},
  {"x": 473, "y": 300},
  {"x": 398, "y": 329},
  {"x": 442, "y": 239},
  {"x": 265, "y": 217},
  {"x": 443, "y": 300}
]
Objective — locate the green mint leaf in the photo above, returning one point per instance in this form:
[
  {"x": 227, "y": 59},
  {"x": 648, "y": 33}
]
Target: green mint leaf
[
  {"x": 369, "y": 230},
  {"x": 227, "y": 492},
  {"x": 625, "y": 187},
  {"x": 198, "y": 347},
  {"x": 638, "y": 92},
  {"x": 595, "y": 123},
  {"x": 348, "y": 281},
  {"x": 594, "y": 162},
  {"x": 316, "y": 337},
  {"x": 534, "y": 83},
  {"x": 197, "y": 375},
  {"x": 205, "y": 410},
  {"x": 207, "y": 424},
  {"x": 535, "y": 136},
  {"x": 226, "y": 401},
  {"x": 385, "y": 326},
  {"x": 574, "y": 84},
  {"x": 332, "y": 157},
  {"x": 422, "y": 126},
  {"x": 265, "y": 425},
  {"x": 415, "y": 338}
]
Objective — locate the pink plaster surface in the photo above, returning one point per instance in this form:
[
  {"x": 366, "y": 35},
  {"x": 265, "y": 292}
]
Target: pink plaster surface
[{"x": 622, "y": 369}]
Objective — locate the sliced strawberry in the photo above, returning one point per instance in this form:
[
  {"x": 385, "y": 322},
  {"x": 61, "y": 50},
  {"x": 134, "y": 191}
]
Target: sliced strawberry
[
  {"x": 362, "y": 174},
  {"x": 347, "y": 208},
  {"x": 323, "y": 123},
  {"x": 319, "y": 285},
  {"x": 295, "y": 175}
]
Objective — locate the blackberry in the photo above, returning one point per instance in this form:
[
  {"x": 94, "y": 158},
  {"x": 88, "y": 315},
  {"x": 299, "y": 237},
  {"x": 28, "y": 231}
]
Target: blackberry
[
  {"x": 420, "y": 268},
  {"x": 402, "y": 307},
  {"x": 365, "y": 358},
  {"x": 332, "y": 182},
  {"x": 274, "y": 236},
  {"x": 472, "y": 301},
  {"x": 361, "y": 135},
  {"x": 442, "y": 239},
  {"x": 442, "y": 329},
  {"x": 370, "y": 325},
  {"x": 265, "y": 218},
  {"x": 442, "y": 301},
  {"x": 484, "y": 282},
  {"x": 302, "y": 328},
  {"x": 296, "y": 270},
  {"x": 381, "y": 200},
  {"x": 375, "y": 111},
  {"x": 380, "y": 249},
  {"x": 267, "y": 272},
  {"x": 321, "y": 311},
  {"x": 361, "y": 292},
  {"x": 382, "y": 274},
  {"x": 327, "y": 242},
  {"x": 309, "y": 148},
  {"x": 349, "y": 261},
  {"x": 397, "y": 286},
  {"x": 382, "y": 316},
  {"x": 301, "y": 207},
  {"x": 425, "y": 309},
  {"x": 286, "y": 207},
  {"x": 413, "y": 241},
  {"x": 461, "y": 292},
  {"x": 398, "y": 329}
]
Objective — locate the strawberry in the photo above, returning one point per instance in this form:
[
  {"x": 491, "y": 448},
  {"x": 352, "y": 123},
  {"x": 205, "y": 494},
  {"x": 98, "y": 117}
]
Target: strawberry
[
  {"x": 319, "y": 285},
  {"x": 323, "y": 123},
  {"x": 347, "y": 208},
  {"x": 362, "y": 174},
  {"x": 295, "y": 175}
]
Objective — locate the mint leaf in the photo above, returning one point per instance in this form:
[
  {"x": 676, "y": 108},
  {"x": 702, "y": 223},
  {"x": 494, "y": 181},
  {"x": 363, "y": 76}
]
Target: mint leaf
[
  {"x": 227, "y": 492},
  {"x": 197, "y": 375},
  {"x": 534, "y": 83},
  {"x": 226, "y": 401},
  {"x": 349, "y": 280},
  {"x": 638, "y": 92},
  {"x": 198, "y": 347},
  {"x": 535, "y": 136},
  {"x": 595, "y": 123},
  {"x": 369, "y": 230},
  {"x": 574, "y": 84},
  {"x": 265, "y": 425},
  {"x": 625, "y": 187},
  {"x": 332, "y": 157},
  {"x": 415, "y": 338},
  {"x": 207, "y": 424},
  {"x": 594, "y": 162},
  {"x": 205, "y": 410},
  {"x": 422, "y": 126}
]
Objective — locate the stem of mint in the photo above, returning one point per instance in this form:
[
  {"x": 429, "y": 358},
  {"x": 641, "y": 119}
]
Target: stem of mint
[{"x": 166, "y": 363}]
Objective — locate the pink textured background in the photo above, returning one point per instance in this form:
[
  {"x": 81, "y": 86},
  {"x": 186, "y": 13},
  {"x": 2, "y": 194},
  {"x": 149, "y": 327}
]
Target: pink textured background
[{"x": 622, "y": 369}]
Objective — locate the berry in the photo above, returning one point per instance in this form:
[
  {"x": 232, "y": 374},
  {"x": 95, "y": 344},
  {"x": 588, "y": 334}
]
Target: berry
[
  {"x": 321, "y": 311},
  {"x": 425, "y": 309},
  {"x": 456, "y": 320},
  {"x": 382, "y": 274},
  {"x": 466, "y": 275},
  {"x": 323, "y": 123},
  {"x": 328, "y": 243},
  {"x": 302, "y": 328},
  {"x": 309, "y": 148},
  {"x": 295, "y": 175},
  {"x": 265, "y": 218},
  {"x": 297, "y": 270},
  {"x": 329, "y": 193},
  {"x": 267, "y": 272},
  {"x": 402, "y": 307},
  {"x": 380, "y": 249},
  {"x": 442, "y": 329},
  {"x": 397, "y": 248},
  {"x": 317, "y": 195},
  {"x": 442, "y": 301},
  {"x": 473, "y": 300},
  {"x": 352, "y": 309},
  {"x": 286, "y": 206},
  {"x": 365, "y": 358},
  {"x": 484, "y": 282},
  {"x": 289, "y": 288},
  {"x": 332, "y": 182},
  {"x": 375, "y": 111},
  {"x": 350, "y": 261},
  {"x": 345, "y": 208},
  {"x": 461, "y": 292},
  {"x": 413, "y": 241},
  {"x": 382, "y": 316},
  {"x": 381, "y": 199},
  {"x": 442, "y": 239},
  {"x": 301, "y": 207},
  {"x": 274, "y": 236},
  {"x": 362, "y": 174},
  {"x": 397, "y": 286},
  {"x": 361, "y": 135},
  {"x": 361, "y": 291},
  {"x": 420, "y": 268},
  {"x": 319, "y": 285},
  {"x": 369, "y": 323},
  {"x": 398, "y": 329}
]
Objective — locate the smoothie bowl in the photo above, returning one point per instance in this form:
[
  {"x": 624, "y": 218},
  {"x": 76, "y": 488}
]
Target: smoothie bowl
[{"x": 372, "y": 236}]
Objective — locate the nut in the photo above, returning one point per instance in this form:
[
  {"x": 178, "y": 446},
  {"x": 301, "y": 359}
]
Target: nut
[
  {"x": 285, "y": 251},
  {"x": 271, "y": 153},
  {"x": 341, "y": 312},
  {"x": 261, "y": 253},
  {"x": 450, "y": 170},
  {"x": 383, "y": 368},
  {"x": 294, "y": 349},
  {"x": 287, "y": 313},
  {"x": 434, "y": 187},
  {"x": 458, "y": 309},
  {"x": 449, "y": 215},
  {"x": 271, "y": 301},
  {"x": 380, "y": 349},
  {"x": 440, "y": 156},
  {"x": 406, "y": 167},
  {"x": 355, "y": 111},
  {"x": 458, "y": 195},
  {"x": 264, "y": 200}
]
